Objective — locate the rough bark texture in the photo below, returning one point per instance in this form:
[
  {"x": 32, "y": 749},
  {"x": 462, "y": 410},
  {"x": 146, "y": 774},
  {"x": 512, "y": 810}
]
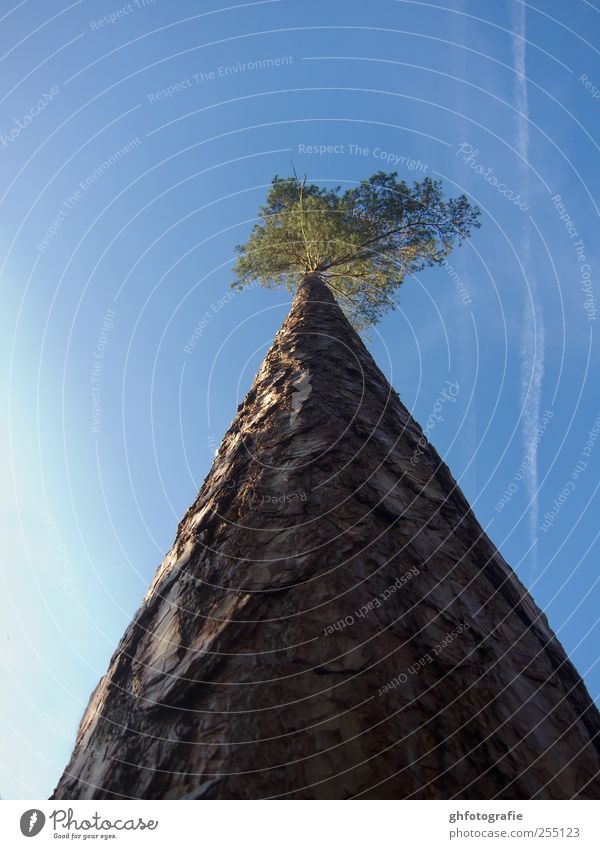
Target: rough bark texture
[{"x": 331, "y": 621}]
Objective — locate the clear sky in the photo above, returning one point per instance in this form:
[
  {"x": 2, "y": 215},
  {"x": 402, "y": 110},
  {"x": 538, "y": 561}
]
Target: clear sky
[{"x": 136, "y": 143}]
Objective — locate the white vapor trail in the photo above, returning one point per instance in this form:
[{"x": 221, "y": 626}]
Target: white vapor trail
[{"x": 532, "y": 339}]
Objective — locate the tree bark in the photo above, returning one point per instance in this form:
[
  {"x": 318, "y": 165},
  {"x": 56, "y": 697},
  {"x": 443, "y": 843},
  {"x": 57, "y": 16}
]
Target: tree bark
[{"x": 332, "y": 621}]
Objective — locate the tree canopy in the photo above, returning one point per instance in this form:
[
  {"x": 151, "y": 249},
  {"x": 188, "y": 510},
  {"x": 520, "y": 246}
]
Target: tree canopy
[{"x": 362, "y": 242}]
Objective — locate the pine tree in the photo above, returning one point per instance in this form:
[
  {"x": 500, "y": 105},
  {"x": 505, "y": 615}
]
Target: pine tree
[
  {"x": 362, "y": 243},
  {"x": 332, "y": 621}
]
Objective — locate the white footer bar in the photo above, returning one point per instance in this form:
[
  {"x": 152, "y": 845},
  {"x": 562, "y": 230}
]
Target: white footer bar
[{"x": 303, "y": 824}]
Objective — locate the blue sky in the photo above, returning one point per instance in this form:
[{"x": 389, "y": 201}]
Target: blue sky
[{"x": 137, "y": 141}]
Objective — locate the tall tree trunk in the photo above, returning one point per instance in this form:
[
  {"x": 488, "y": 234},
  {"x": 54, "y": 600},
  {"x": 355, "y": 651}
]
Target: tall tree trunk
[{"x": 332, "y": 621}]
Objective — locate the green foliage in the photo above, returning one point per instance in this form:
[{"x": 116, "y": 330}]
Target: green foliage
[{"x": 362, "y": 243}]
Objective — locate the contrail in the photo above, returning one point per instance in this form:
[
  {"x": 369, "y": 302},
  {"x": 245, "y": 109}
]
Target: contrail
[{"x": 532, "y": 338}]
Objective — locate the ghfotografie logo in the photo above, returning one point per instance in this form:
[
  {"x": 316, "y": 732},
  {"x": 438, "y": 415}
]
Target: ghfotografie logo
[{"x": 32, "y": 822}]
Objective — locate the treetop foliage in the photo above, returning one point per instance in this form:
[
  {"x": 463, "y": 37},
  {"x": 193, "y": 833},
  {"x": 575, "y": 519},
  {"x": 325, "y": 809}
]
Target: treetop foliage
[{"x": 362, "y": 242}]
